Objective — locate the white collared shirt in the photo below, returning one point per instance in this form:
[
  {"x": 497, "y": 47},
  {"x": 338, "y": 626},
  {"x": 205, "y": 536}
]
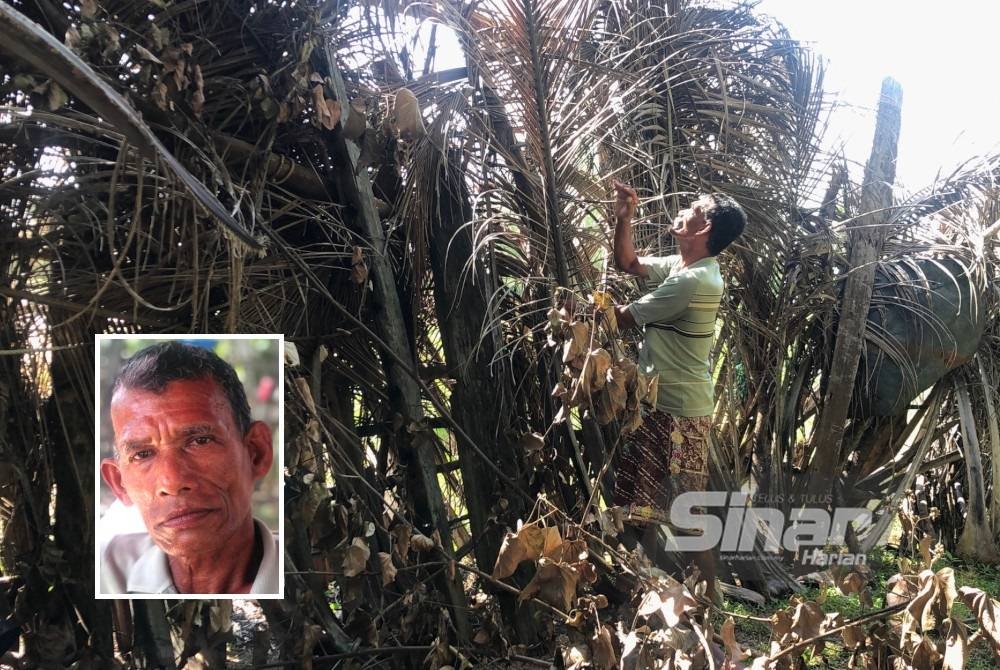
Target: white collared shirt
[{"x": 132, "y": 563}]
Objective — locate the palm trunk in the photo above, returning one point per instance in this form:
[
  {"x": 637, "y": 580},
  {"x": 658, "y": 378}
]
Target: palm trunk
[
  {"x": 355, "y": 189},
  {"x": 976, "y": 541},
  {"x": 994, "y": 428},
  {"x": 867, "y": 235},
  {"x": 479, "y": 397}
]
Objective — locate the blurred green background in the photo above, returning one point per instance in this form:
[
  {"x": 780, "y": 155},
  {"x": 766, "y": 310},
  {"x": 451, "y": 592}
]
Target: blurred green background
[{"x": 257, "y": 362}]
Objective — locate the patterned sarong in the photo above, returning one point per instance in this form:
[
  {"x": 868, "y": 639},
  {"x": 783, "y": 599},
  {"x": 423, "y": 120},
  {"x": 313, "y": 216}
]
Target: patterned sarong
[{"x": 666, "y": 457}]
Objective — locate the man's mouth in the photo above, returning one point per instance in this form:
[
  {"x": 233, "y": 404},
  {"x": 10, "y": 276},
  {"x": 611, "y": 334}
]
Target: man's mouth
[{"x": 185, "y": 518}]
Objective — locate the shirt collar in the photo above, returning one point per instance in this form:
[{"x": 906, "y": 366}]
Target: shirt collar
[{"x": 151, "y": 571}]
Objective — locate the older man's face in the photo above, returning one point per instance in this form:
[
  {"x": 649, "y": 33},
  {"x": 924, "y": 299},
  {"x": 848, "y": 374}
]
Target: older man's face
[{"x": 183, "y": 462}]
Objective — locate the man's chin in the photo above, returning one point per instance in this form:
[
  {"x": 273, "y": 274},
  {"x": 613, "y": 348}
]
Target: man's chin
[{"x": 193, "y": 534}]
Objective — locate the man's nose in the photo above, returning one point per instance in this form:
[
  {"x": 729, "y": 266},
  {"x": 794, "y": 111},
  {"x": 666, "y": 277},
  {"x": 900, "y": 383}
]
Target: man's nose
[{"x": 173, "y": 474}]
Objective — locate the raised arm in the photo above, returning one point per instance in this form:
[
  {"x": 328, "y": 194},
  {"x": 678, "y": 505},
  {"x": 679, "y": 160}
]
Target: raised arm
[{"x": 626, "y": 259}]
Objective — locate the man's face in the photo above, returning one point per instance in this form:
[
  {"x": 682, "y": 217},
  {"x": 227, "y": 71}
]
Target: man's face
[
  {"x": 691, "y": 221},
  {"x": 183, "y": 462}
]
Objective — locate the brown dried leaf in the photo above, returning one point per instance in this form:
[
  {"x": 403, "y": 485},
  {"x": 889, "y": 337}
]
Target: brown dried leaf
[
  {"x": 388, "y": 569},
  {"x": 603, "y": 408},
  {"x": 598, "y": 363},
  {"x": 178, "y": 67},
  {"x": 955, "y": 646},
  {"x": 558, "y": 319},
  {"x": 552, "y": 543},
  {"x": 945, "y": 578},
  {"x": 925, "y": 655},
  {"x": 531, "y": 442},
  {"x": 616, "y": 390},
  {"x": 610, "y": 320},
  {"x": 586, "y": 570},
  {"x": 854, "y": 637},
  {"x": 334, "y": 113},
  {"x": 57, "y": 96},
  {"x": 914, "y": 617},
  {"x": 899, "y": 590},
  {"x": 925, "y": 551},
  {"x": 359, "y": 271},
  {"x": 407, "y": 112},
  {"x": 284, "y": 112},
  {"x": 987, "y": 613},
  {"x": 852, "y": 582},
  {"x": 357, "y": 119},
  {"x": 311, "y": 634},
  {"x": 524, "y": 545},
  {"x": 734, "y": 651},
  {"x": 72, "y": 37},
  {"x": 356, "y": 557},
  {"x": 554, "y": 583},
  {"x": 88, "y": 8},
  {"x": 321, "y": 112},
  {"x": 932, "y": 604},
  {"x": 632, "y": 422},
  {"x": 671, "y": 602},
  {"x": 807, "y": 620},
  {"x": 652, "y": 388},
  {"x": 781, "y": 625},
  {"x": 146, "y": 54},
  {"x": 198, "y": 103},
  {"x": 578, "y": 342},
  {"x": 198, "y": 97},
  {"x": 421, "y": 543},
  {"x": 617, "y": 518},
  {"x": 603, "y": 651},
  {"x": 159, "y": 96},
  {"x": 482, "y": 637}
]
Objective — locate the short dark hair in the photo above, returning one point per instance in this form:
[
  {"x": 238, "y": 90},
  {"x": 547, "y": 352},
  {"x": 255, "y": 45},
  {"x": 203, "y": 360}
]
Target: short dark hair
[
  {"x": 152, "y": 368},
  {"x": 728, "y": 221}
]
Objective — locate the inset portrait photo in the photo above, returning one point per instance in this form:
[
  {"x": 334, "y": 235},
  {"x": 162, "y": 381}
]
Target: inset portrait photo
[{"x": 188, "y": 466}]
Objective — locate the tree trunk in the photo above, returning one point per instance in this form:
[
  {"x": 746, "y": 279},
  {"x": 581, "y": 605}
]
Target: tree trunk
[
  {"x": 478, "y": 398},
  {"x": 991, "y": 417},
  {"x": 976, "y": 541},
  {"x": 414, "y": 441},
  {"x": 867, "y": 235}
]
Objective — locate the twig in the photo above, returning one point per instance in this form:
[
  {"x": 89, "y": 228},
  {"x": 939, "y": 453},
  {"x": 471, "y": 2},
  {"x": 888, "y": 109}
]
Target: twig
[
  {"x": 418, "y": 649},
  {"x": 799, "y": 646},
  {"x": 507, "y": 587},
  {"x": 747, "y": 617}
]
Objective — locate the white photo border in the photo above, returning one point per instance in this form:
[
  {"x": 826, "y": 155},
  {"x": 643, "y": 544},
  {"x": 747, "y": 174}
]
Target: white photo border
[{"x": 279, "y": 446}]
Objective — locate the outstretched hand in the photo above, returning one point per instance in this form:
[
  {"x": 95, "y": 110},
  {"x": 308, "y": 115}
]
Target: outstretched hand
[{"x": 626, "y": 201}]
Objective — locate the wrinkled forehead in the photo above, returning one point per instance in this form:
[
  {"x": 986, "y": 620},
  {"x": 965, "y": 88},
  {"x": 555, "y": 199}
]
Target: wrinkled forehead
[{"x": 191, "y": 398}]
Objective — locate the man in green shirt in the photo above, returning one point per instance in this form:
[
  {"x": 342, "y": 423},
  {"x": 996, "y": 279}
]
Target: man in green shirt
[{"x": 668, "y": 455}]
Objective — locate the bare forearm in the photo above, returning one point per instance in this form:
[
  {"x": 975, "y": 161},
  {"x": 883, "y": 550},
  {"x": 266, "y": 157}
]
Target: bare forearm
[
  {"x": 625, "y": 256},
  {"x": 626, "y": 259}
]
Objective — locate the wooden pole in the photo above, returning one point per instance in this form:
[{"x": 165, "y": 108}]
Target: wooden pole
[{"x": 866, "y": 237}]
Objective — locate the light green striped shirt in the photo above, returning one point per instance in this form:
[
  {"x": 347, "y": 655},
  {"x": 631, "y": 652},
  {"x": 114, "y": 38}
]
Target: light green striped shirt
[{"x": 679, "y": 320}]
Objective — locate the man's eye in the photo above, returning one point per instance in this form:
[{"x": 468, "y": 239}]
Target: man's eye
[
  {"x": 141, "y": 455},
  {"x": 202, "y": 440}
]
